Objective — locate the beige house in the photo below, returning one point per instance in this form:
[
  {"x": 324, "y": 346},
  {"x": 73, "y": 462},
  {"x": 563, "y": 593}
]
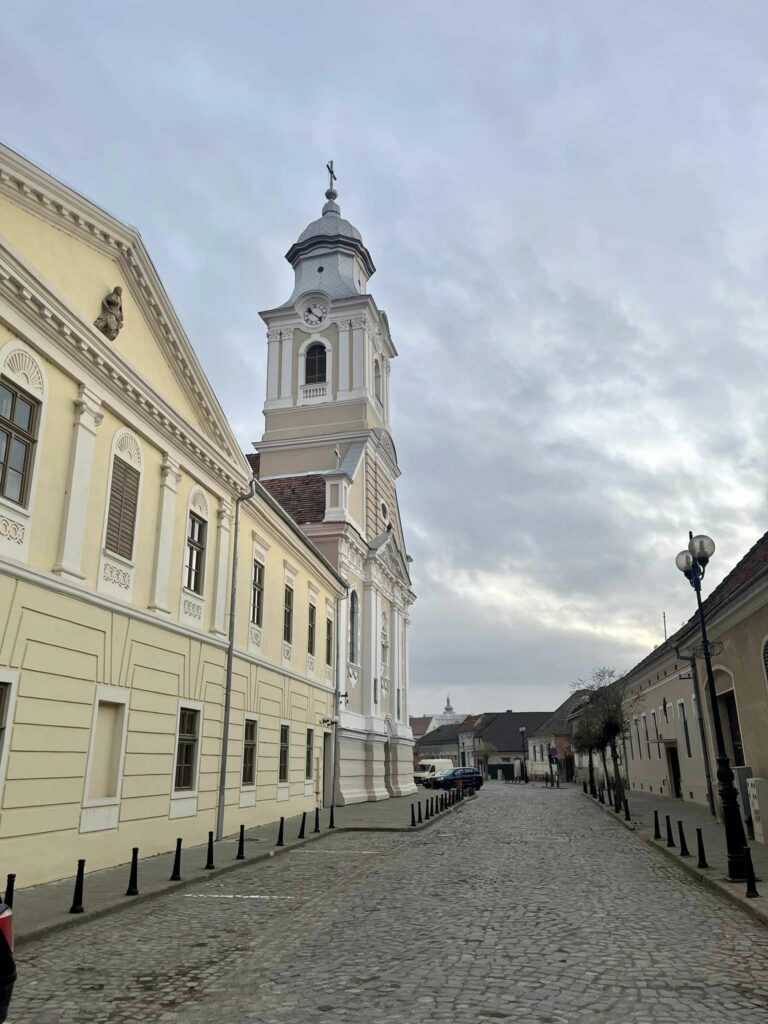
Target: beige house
[
  {"x": 119, "y": 480},
  {"x": 670, "y": 737}
]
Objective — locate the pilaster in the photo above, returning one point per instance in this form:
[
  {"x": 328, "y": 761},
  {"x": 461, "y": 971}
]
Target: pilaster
[
  {"x": 170, "y": 478},
  {"x": 75, "y": 519},
  {"x": 224, "y": 516},
  {"x": 286, "y": 364},
  {"x": 273, "y": 364}
]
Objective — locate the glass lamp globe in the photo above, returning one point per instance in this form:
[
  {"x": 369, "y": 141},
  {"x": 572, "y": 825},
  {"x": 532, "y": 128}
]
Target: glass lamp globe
[
  {"x": 701, "y": 547},
  {"x": 684, "y": 561}
]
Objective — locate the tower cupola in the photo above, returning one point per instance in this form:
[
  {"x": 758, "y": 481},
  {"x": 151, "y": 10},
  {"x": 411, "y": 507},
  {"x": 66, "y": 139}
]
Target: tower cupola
[{"x": 329, "y": 254}]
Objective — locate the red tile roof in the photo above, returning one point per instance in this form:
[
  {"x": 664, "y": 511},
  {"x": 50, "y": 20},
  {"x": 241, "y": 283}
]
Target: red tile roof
[
  {"x": 302, "y": 497},
  {"x": 254, "y": 460},
  {"x": 419, "y": 724}
]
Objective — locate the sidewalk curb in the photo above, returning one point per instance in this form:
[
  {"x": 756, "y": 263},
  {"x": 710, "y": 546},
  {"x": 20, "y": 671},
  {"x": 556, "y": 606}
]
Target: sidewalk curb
[
  {"x": 24, "y": 937},
  {"x": 687, "y": 867}
]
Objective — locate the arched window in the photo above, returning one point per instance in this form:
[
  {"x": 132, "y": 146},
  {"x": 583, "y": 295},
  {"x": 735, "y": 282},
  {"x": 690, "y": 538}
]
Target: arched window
[
  {"x": 314, "y": 372},
  {"x": 377, "y": 379},
  {"x": 353, "y": 615}
]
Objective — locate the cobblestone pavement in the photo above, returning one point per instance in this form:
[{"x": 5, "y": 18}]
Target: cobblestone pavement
[{"x": 527, "y": 905}]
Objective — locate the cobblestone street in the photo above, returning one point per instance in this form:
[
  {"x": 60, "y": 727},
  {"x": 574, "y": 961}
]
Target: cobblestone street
[{"x": 527, "y": 905}]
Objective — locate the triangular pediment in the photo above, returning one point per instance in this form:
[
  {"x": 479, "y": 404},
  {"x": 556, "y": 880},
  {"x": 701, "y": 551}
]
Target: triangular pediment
[
  {"x": 78, "y": 253},
  {"x": 385, "y": 549}
]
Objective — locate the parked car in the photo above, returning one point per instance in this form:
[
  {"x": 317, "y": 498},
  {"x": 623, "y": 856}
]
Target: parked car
[
  {"x": 454, "y": 778},
  {"x": 427, "y": 769},
  {"x": 7, "y": 963}
]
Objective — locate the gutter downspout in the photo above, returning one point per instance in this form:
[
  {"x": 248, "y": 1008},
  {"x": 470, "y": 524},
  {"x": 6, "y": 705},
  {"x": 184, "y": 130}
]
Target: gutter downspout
[
  {"x": 702, "y": 734},
  {"x": 337, "y": 706},
  {"x": 230, "y": 658}
]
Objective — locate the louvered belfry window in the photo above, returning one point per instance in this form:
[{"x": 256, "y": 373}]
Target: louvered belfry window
[{"x": 123, "y": 504}]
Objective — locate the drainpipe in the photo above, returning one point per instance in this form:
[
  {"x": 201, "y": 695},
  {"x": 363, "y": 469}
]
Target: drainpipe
[
  {"x": 340, "y": 663},
  {"x": 702, "y": 734},
  {"x": 230, "y": 658}
]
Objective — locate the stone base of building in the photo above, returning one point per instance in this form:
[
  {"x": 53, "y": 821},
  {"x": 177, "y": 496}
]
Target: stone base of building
[{"x": 373, "y": 767}]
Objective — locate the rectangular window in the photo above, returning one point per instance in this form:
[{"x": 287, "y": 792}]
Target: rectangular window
[
  {"x": 288, "y": 615},
  {"x": 631, "y": 745},
  {"x": 647, "y": 737},
  {"x": 186, "y": 750},
  {"x": 257, "y": 593},
  {"x": 375, "y": 690},
  {"x": 18, "y": 433},
  {"x": 309, "y": 758},
  {"x": 399, "y": 705},
  {"x": 639, "y": 746},
  {"x": 685, "y": 729},
  {"x": 195, "y": 561},
  {"x": 285, "y": 739},
  {"x": 329, "y": 642},
  {"x": 107, "y": 746},
  {"x": 656, "y": 733},
  {"x": 123, "y": 506},
  {"x": 249, "y": 752},
  {"x": 311, "y": 629}
]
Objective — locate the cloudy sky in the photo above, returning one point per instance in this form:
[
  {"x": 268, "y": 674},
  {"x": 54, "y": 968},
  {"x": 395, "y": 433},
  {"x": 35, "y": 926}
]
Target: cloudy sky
[{"x": 567, "y": 205}]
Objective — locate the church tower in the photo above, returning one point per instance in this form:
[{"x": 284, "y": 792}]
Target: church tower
[{"x": 328, "y": 457}]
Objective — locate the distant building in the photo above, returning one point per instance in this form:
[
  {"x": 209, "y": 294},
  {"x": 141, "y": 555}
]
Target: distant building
[{"x": 555, "y": 734}]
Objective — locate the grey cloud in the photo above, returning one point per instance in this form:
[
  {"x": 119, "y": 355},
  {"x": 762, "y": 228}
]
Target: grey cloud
[{"x": 566, "y": 204}]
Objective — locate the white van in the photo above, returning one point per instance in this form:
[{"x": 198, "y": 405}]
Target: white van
[{"x": 427, "y": 770}]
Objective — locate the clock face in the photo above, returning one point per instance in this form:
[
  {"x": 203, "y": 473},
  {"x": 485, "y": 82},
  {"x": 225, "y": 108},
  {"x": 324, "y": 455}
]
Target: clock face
[{"x": 315, "y": 313}]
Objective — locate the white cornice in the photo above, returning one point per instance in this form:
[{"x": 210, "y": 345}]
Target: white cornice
[
  {"x": 39, "y": 306},
  {"x": 38, "y": 192}
]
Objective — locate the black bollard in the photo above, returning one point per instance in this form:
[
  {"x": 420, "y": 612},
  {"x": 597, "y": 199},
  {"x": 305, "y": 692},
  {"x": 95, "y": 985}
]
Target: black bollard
[
  {"x": 700, "y": 844},
  {"x": 280, "y": 833},
  {"x": 413, "y": 816},
  {"x": 77, "y": 898},
  {"x": 240, "y": 855},
  {"x": 626, "y": 810},
  {"x": 317, "y": 820},
  {"x": 209, "y": 865},
  {"x": 426, "y": 810},
  {"x": 656, "y": 829},
  {"x": 670, "y": 840},
  {"x": 176, "y": 873},
  {"x": 10, "y": 885},
  {"x": 683, "y": 845},
  {"x": 601, "y": 795},
  {"x": 431, "y": 807},
  {"x": 751, "y": 893},
  {"x": 557, "y": 781},
  {"x": 420, "y": 819},
  {"x": 303, "y": 824},
  {"x": 331, "y": 823},
  {"x": 133, "y": 879},
  {"x": 584, "y": 787}
]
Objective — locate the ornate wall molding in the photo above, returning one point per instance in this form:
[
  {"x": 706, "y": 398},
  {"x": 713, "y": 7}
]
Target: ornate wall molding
[
  {"x": 199, "y": 502},
  {"x": 11, "y": 530},
  {"x": 128, "y": 448},
  {"x": 22, "y": 368}
]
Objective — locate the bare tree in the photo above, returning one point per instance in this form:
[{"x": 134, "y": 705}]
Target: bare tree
[{"x": 608, "y": 717}]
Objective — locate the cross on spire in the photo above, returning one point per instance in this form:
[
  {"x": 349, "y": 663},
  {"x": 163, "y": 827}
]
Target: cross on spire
[{"x": 331, "y": 192}]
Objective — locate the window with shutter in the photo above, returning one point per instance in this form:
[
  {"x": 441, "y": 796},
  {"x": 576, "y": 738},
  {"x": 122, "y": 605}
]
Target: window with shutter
[{"x": 123, "y": 506}]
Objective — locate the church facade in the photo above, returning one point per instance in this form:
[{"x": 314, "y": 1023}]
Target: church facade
[{"x": 328, "y": 456}]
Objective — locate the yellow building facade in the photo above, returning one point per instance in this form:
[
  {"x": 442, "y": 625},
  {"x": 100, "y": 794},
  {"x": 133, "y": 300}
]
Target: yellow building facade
[{"x": 119, "y": 477}]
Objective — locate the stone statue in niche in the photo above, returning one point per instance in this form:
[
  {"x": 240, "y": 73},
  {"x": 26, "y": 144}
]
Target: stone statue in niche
[{"x": 111, "y": 319}]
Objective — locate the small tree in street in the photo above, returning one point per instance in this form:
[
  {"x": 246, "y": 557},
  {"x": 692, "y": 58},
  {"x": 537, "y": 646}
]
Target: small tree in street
[{"x": 605, "y": 718}]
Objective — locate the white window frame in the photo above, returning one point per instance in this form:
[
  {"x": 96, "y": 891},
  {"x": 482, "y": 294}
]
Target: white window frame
[
  {"x": 9, "y": 677},
  {"x": 192, "y": 605},
  {"x": 301, "y": 399},
  {"x": 102, "y": 813},
  {"x": 309, "y": 780},
  {"x": 289, "y": 580},
  {"x": 283, "y": 788},
  {"x": 15, "y": 520},
  {"x": 184, "y": 801},
  {"x": 116, "y": 573},
  {"x": 248, "y": 792},
  {"x": 259, "y": 549}
]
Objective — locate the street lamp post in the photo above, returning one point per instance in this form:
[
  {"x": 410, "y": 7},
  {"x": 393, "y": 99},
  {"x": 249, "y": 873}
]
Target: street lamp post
[
  {"x": 524, "y": 765},
  {"x": 693, "y": 563}
]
